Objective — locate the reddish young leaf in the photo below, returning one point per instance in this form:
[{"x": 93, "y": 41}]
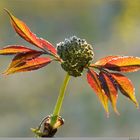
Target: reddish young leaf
[
  {"x": 93, "y": 80},
  {"x": 48, "y": 46},
  {"x": 23, "y": 30},
  {"x": 14, "y": 49},
  {"x": 124, "y": 64},
  {"x": 104, "y": 60},
  {"x": 110, "y": 89},
  {"x": 29, "y": 65},
  {"x": 22, "y": 57},
  {"x": 125, "y": 86},
  {"x": 120, "y": 63}
]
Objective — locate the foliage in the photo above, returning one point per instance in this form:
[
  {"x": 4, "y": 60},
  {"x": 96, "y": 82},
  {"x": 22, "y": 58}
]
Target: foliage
[{"x": 104, "y": 76}]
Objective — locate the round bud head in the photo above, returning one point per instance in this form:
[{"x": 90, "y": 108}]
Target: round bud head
[{"x": 76, "y": 54}]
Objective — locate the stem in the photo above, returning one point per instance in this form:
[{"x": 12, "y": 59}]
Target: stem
[{"x": 60, "y": 99}]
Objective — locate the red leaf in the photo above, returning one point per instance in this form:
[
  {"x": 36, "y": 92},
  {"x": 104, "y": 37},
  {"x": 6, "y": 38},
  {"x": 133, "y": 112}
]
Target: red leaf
[
  {"x": 124, "y": 64},
  {"x": 110, "y": 89},
  {"x": 92, "y": 78},
  {"x": 23, "y": 30},
  {"x": 125, "y": 86},
  {"x": 120, "y": 63},
  {"x": 104, "y": 60},
  {"x": 48, "y": 45},
  {"x": 14, "y": 49},
  {"x": 22, "y": 57},
  {"x": 29, "y": 65}
]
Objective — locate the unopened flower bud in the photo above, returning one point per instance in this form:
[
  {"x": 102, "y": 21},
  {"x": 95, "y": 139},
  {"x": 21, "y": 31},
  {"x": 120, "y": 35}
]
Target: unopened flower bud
[{"x": 76, "y": 54}]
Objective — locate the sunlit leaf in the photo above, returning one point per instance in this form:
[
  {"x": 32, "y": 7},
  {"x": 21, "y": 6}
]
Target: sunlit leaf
[
  {"x": 29, "y": 65},
  {"x": 14, "y": 49},
  {"x": 22, "y": 57},
  {"x": 48, "y": 45},
  {"x": 110, "y": 89},
  {"x": 93, "y": 80},
  {"x": 23, "y": 30},
  {"x": 122, "y": 63},
  {"x": 125, "y": 86},
  {"x": 104, "y": 60}
]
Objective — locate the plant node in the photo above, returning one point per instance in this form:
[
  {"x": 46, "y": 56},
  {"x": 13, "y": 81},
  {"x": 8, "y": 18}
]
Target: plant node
[{"x": 48, "y": 130}]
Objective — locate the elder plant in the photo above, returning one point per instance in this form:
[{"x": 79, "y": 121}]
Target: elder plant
[{"x": 74, "y": 55}]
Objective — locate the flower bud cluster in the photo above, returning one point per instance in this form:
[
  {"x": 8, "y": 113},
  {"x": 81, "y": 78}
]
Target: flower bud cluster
[{"x": 76, "y": 54}]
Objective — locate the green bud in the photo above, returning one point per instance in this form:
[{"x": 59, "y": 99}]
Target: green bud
[{"x": 76, "y": 54}]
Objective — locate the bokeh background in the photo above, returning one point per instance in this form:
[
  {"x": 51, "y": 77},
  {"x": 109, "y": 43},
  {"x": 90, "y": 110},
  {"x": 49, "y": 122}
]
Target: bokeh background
[{"x": 111, "y": 26}]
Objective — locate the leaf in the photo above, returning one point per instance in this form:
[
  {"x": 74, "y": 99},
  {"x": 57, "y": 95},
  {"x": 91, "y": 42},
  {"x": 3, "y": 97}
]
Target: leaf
[
  {"x": 37, "y": 132},
  {"x": 48, "y": 45},
  {"x": 23, "y": 30},
  {"x": 110, "y": 89},
  {"x": 122, "y": 63},
  {"x": 92, "y": 78},
  {"x": 125, "y": 86},
  {"x": 14, "y": 49},
  {"x": 22, "y": 57},
  {"x": 29, "y": 65},
  {"x": 104, "y": 60}
]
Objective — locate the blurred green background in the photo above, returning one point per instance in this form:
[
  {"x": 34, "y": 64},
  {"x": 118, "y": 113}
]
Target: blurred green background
[{"x": 111, "y": 26}]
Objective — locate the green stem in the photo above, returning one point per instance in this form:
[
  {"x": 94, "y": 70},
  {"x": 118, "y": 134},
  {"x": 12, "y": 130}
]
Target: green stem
[{"x": 60, "y": 99}]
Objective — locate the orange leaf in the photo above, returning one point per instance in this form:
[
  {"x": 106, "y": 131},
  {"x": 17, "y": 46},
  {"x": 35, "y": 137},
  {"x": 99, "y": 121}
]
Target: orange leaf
[
  {"x": 125, "y": 86},
  {"x": 110, "y": 89},
  {"x": 104, "y": 60},
  {"x": 13, "y": 49},
  {"x": 22, "y": 57},
  {"x": 48, "y": 45},
  {"x": 23, "y": 30},
  {"x": 92, "y": 78},
  {"x": 120, "y": 63},
  {"x": 29, "y": 65}
]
